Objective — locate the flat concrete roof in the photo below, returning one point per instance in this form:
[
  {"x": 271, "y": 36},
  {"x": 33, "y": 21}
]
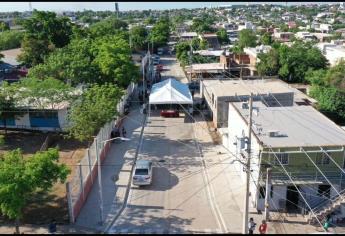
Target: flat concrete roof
[
  {"x": 206, "y": 67},
  {"x": 189, "y": 34},
  {"x": 297, "y": 126},
  {"x": 230, "y": 88}
]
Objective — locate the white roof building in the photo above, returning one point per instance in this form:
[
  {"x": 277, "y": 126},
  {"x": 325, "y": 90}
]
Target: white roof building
[
  {"x": 296, "y": 126},
  {"x": 334, "y": 53}
]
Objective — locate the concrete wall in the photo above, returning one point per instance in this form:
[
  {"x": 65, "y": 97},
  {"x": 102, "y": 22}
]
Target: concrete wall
[
  {"x": 309, "y": 193},
  {"x": 237, "y": 128}
]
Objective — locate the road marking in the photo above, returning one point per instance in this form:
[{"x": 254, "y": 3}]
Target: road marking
[{"x": 209, "y": 189}]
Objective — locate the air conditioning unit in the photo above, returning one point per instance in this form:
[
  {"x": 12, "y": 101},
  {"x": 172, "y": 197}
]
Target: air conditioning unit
[
  {"x": 245, "y": 105},
  {"x": 273, "y": 133}
]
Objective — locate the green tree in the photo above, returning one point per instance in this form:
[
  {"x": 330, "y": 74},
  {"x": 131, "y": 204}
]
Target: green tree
[
  {"x": 113, "y": 57},
  {"x": 138, "y": 36},
  {"x": 7, "y": 103},
  {"x": 96, "y": 106},
  {"x": 110, "y": 26},
  {"x": 149, "y": 20},
  {"x": 269, "y": 63},
  {"x": 21, "y": 177},
  {"x": 10, "y": 39},
  {"x": 34, "y": 51},
  {"x": 4, "y": 26},
  {"x": 44, "y": 25},
  {"x": 247, "y": 38},
  {"x": 72, "y": 63},
  {"x": 266, "y": 39},
  {"x": 160, "y": 32},
  {"x": 182, "y": 49},
  {"x": 222, "y": 36},
  {"x": 2, "y": 140},
  {"x": 296, "y": 60},
  {"x": 43, "y": 94}
]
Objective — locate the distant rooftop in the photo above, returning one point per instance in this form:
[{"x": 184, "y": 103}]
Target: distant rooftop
[
  {"x": 189, "y": 34},
  {"x": 296, "y": 126},
  {"x": 10, "y": 56}
]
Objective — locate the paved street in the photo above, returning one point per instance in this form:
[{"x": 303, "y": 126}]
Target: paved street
[
  {"x": 179, "y": 200},
  {"x": 117, "y": 163}
]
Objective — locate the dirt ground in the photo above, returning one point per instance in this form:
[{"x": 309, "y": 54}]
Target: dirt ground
[{"x": 45, "y": 206}]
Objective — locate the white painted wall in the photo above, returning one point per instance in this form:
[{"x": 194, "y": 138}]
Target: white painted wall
[
  {"x": 23, "y": 120},
  {"x": 238, "y": 128},
  {"x": 62, "y": 116}
]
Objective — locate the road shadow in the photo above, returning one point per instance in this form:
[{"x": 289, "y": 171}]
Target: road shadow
[{"x": 151, "y": 218}]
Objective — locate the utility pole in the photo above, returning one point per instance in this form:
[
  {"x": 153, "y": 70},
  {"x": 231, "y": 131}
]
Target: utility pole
[
  {"x": 268, "y": 190},
  {"x": 99, "y": 174},
  {"x": 190, "y": 60},
  {"x": 246, "y": 201}
]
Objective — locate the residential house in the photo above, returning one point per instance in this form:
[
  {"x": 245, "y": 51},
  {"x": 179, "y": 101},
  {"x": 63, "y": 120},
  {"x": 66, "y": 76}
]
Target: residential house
[
  {"x": 253, "y": 56},
  {"x": 247, "y": 25},
  {"x": 212, "y": 41},
  {"x": 206, "y": 70},
  {"x": 188, "y": 36},
  {"x": 283, "y": 36},
  {"x": 217, "y": 93},
  {"x": 333, "y": 52},
  {"x": 292, "y": 141}
]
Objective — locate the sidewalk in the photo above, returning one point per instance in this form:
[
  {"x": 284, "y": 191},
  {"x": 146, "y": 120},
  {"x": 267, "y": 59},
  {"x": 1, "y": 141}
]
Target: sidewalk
[
  {"x": 34, "y": 229},
  {"x": 115, "y": 175}
]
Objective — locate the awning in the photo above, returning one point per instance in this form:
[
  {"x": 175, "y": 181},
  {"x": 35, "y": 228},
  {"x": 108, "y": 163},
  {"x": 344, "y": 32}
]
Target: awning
[{"x": 170, "y": 91}]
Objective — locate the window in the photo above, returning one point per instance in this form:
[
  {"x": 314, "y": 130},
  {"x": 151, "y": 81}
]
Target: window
[
  {"x": 323, "y": 159},
  {"x": 283, "y": 158}
]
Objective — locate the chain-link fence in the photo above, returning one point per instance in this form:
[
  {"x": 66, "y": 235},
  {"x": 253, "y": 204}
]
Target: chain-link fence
[{"x": 86, "y": 171}]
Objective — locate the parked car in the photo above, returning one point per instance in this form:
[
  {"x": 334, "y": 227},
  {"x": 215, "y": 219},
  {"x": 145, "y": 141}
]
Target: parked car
[{"x": 142, "y": 173}]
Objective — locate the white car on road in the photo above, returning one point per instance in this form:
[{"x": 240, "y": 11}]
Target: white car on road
[{"x": 142, "y": 173}]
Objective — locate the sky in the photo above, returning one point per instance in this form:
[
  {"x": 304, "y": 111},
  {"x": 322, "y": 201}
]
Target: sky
[{"x": 125, "y": 6}]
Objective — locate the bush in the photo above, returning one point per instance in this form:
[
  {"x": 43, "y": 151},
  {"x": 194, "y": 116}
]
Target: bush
[{"x": 10, "y": 39}]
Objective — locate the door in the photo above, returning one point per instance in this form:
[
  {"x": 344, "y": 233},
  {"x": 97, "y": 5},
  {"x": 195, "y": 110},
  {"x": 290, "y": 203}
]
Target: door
[
  {"x": 292, "y": 197},
  {"x": 324, "y": 191}
]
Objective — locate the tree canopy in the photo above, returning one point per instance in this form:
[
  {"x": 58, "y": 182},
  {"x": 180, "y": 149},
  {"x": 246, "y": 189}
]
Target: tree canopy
[
  {"x": 138, "y": 36},
  {"x": 92, "y": 110},
  {"x": 10, "y": 39},
  {"x": 21, "y": 177},
  {"x": 246, "y": 38},
  {"x": 44, "y": 31},
  {"x": 109, "y": 26},
  {"x": 223, "y": 36},
  {"x": 291, "y": 63},
  {"x": 160, "y": 32}
]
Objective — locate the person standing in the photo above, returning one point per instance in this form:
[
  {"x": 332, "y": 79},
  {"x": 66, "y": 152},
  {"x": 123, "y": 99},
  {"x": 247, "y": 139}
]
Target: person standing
[
  {"x": 251, "y": 225},
  {"x": 263, "y": 227},
  {"x": 123, "y": 132},
  {"x": 52, "y": 227}
]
